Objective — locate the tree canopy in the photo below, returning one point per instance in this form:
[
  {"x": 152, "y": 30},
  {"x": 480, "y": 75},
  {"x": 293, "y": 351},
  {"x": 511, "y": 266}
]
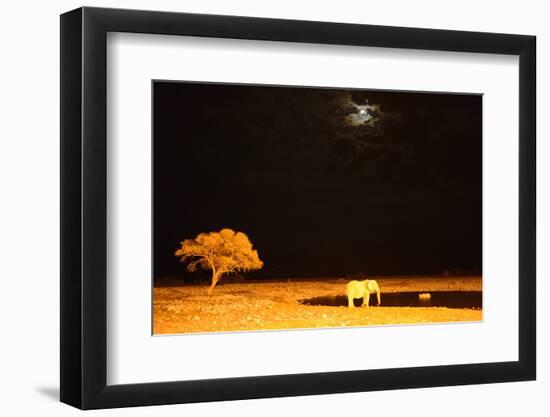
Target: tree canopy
[{"x": 221, "y": 252}]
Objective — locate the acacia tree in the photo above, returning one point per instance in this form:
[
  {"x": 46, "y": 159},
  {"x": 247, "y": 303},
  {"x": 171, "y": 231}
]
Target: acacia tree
[{"x": 221, "y": 252}]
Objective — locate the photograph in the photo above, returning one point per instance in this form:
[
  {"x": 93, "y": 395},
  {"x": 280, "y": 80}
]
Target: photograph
[
  {"x": 293, "y": 207},
  {"x": 275, "y": 209}
]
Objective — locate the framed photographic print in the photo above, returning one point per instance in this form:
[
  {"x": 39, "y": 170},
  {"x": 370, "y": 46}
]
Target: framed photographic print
[{"x": 319, "y": 194}]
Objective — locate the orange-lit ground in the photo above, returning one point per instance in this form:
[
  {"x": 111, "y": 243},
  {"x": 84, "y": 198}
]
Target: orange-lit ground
[{"x": 274, "y": 305}]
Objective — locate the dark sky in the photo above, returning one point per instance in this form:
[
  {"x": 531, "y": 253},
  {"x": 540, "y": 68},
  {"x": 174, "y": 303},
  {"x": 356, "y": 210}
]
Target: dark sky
[{"x": 325, "y": 182}]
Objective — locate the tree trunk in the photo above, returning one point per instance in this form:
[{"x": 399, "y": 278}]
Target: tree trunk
[{"x": 215, "y": 279}]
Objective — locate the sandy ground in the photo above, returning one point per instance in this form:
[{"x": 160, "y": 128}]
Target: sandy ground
[{"x": 275, "y": 305}]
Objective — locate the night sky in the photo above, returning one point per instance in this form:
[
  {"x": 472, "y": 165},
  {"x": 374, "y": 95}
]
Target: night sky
[{"x": 325, "y": 182}]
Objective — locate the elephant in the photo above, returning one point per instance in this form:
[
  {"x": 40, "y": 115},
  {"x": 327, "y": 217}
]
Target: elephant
[{"x": 362, "y": 289}]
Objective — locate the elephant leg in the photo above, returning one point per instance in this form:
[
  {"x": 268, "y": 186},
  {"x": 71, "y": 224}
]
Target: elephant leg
[
  {"x": 378, "y": 296},
  {"x": 350, "y": 301},
  {"x": 366, "y": 299}
]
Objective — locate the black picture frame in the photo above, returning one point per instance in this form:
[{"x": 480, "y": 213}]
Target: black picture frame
[{"x": 84, "y": 207}]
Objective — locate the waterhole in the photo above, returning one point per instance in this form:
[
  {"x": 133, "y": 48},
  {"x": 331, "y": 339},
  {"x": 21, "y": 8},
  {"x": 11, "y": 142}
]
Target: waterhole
[{"x": 449, "y": 299}]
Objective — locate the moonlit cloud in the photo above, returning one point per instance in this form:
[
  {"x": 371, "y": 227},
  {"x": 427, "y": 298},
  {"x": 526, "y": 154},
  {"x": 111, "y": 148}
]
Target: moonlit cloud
[{"x": 365, "y": 116}]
